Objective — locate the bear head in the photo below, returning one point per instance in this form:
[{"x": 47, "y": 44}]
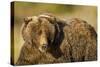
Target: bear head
[{"x": 40, "y": 31}]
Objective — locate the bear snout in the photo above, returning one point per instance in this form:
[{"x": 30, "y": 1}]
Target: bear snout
[{"x": 43, "y": 48}]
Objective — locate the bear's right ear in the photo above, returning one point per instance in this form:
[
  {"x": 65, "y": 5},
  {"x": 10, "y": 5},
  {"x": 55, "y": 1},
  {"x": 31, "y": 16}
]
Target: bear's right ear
[
  {"x": 49, "y": 17},
  {"x": 27, "y": 19}
]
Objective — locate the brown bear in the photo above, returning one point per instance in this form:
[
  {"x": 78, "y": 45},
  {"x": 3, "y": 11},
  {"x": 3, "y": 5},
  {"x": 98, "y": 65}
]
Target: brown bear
[{"x": 49, "y": 39}]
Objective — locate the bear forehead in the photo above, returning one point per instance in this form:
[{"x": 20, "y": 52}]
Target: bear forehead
[
  {"x": 41, "y": 17},
  {"x": 36, "y": 23}
]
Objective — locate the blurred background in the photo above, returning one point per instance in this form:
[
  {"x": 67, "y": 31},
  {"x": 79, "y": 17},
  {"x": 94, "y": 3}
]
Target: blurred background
[{"x": 64, "y": 11}]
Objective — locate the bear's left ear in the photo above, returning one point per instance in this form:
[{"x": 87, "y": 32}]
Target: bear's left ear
[{"x": 27, "y": 19}]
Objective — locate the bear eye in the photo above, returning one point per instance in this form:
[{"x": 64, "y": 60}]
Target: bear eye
[{"x": 40, "y": 32}]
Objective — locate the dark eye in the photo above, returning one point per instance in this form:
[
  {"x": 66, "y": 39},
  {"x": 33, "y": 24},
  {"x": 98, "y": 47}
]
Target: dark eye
[{"x": 40, "y": 32}]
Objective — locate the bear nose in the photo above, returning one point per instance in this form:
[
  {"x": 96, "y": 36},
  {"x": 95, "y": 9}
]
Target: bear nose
[{"x": 44, "y": 46}]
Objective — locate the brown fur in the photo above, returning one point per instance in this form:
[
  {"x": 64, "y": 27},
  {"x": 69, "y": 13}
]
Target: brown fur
[
  {"x": 70, "y": 41},
  {"x": 80, "y": 42}
]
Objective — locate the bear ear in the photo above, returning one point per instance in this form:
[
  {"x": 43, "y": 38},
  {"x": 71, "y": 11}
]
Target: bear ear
[
  {"x": 49, "y": 17},
  {"x": 27, "y": 19}
]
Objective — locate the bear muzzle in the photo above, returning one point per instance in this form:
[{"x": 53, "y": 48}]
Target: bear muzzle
[{"x": 43, "y": 48}]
